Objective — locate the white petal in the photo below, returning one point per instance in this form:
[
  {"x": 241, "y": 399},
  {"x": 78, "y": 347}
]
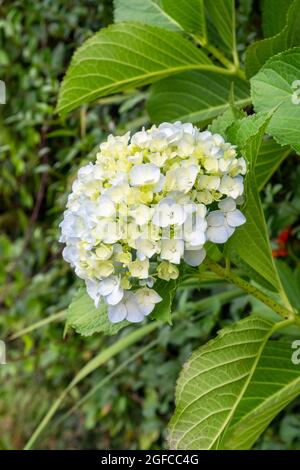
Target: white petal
[
  {"x": 194, "y": 257},
  {"x": 71, "y": 254},
  {"x": 227, "y": 204},
  {"x": 145, "y": 248},
  {"x": 230, "y": 230},
  {"x": 209, "y": 182},
  {"x": 134, "y": 314},
  {"x": 216, "y": 218},
  {"x": 107, "y": 285},
  {"x": 195, "y": 238},
  {"x": 92, "y": 290},
  {"x": 141, "y": 214},
  {"x": 115, "y": 297},
  {"x": 154, "y": 296},
  {"x": 161, "y": 217},
  {"x": 218, "y": 139},
  {"x": 177, "y": 215},
  {"x": 188, "y": 247},
  {"x": 217, "y": 234},
  {"x": 146, "y": 173},
  {"x": 205, "y": 135},
  {"x": 141, "y": 138},
  {"x": 106, "y": 207},
  {"x": 235, "y": 218},
  {"x": 117, "y": 313},
  {"x": 172, "y": 250},
  {"x": 146, "y": 299},
  {"x": 146, "y": 309},
  {"x": 160, "y": 184}
]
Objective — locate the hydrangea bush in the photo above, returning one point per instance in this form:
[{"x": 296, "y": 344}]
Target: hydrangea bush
[
  {"x": 148, "y": 204},
  {"x": 165, "y": 200}
]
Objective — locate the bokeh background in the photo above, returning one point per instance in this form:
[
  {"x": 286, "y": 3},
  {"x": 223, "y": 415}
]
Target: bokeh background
[{"x": 39, "y": 156}]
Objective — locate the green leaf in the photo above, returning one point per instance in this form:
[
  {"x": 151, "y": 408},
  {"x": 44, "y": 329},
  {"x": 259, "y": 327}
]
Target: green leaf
[
  {"x": 247, "y": 134},
  {"x": 212, "y": 384},
  {"x": 274, "y": 384},
  {"x": 188, "y": 13},
  {"x": 167, "y": 291},
  {"x": 195, "y": 96},
  {"x": 145, "y": 11},
  {"x": 274, "y": 16},
  {"x": 269, "y": 158},
  {"x": 250, "y": 272},
  {"x": 86, "y": 319},
  {"x": 273, "y": 88},
  {"x": 123, "y": 56},
  {"x": 181, "y": 15},
  {"x": 259, "y": 52},
  {"x": 290, "y": 283},
  {"x": 222, "y": 123},
  {"x": 222, "y": 18},
  {"x": 270, "y": 155},
  {"x": 251, "y": 241}
]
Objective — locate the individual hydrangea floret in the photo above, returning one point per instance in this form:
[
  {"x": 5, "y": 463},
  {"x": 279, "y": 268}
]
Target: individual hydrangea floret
[{"x": 146, "y": 206}]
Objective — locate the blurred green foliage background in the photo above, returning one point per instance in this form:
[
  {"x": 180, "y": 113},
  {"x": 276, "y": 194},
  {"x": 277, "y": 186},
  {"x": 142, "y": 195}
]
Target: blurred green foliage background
[{"x": 39, "y": 156}]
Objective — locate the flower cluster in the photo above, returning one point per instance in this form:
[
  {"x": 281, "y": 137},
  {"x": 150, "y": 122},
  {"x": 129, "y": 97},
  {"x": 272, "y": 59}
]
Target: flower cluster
[{"x": 149, "y": 203}]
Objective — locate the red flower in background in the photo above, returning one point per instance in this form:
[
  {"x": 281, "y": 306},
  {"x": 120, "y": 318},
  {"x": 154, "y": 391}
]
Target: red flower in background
[{"x": 282, "y": 241}]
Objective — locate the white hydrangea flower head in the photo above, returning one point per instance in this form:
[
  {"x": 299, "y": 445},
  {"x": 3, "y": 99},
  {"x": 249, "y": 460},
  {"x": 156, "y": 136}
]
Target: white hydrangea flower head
[{"x": 147, "y": 205}]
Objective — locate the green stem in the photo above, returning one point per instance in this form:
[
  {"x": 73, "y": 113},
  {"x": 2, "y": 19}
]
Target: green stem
[
  {"x": 240, "y": 73},
  {"x": 233, "y": 68},
  {"x": 235, "y": 54},
  {"x": 54, "y": 317},
  {"x": 250, "y": 289},
  {"x": 219, "y": 56}
]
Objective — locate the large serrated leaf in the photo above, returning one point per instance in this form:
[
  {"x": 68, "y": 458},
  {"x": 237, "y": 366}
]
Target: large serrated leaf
[
  {"x": 213, "y": 382},
  {"x": 195, "y": 96},
  {"x": 274, "y": 384},
  {"x": 269, "y": 158},
  {"x": 274, "y": 16},
  {"x": 290, "y": 283},
  {"x": 188, "y": 13},
  {"x": 277, "y": 86},
  {"x": 251, "y": 240},
  {"x": 222, "y": 123},
  {"x": 247, "y": 133},
  {"x": 270, "y": 154},
  {"x": 259, "y": 52},
  {"x": 181, "y": 15},
  {"x": 145, "y": 11},
  {"x": 126, "y": 55},
  {"x": 221, "y": 14}
]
